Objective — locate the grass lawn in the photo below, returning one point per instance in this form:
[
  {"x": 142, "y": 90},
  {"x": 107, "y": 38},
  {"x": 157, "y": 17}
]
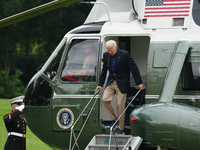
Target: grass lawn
[{"x": 33, "y": 143}]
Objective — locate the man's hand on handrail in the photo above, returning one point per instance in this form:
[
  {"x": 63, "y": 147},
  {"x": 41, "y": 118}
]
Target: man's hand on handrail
[
  {"x": 98, "y": 89},
  {"x": 141, "y": 86}
]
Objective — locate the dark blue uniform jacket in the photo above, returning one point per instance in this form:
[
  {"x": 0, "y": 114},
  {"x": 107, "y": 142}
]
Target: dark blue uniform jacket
[{"x": 15, "y": 122}]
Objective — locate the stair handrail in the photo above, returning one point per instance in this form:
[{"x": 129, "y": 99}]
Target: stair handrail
[
  {"x": 72, "y": 128},
  {"x": 111, "y": 129}
]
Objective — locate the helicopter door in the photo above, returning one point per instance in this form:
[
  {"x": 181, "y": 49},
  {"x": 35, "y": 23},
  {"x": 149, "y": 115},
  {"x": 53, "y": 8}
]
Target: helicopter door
[{"x": 138, "y": 47}]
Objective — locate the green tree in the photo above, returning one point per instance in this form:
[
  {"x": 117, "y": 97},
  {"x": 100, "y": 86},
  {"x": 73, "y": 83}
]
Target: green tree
[
  {"x": 27, "y": 44},
  {"x": 10, "y": 85}
]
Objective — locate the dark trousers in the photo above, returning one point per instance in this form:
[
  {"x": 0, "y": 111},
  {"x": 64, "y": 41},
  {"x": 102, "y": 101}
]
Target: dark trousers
[{"x": 15, "y": 143}]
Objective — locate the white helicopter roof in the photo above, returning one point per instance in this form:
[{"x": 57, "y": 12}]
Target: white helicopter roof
[
  {"x": 149, "y": 13},
  {"x": 169, "y": 20},
  {"x": 119, "y": 10}
]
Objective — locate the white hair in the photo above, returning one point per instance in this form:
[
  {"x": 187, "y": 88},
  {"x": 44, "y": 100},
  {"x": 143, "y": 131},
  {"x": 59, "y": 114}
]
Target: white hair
[{"x": 111, "y": 42}]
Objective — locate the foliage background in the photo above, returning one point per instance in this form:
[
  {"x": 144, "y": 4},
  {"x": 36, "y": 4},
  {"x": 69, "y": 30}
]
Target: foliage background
[{"x": 25, "y": 45}]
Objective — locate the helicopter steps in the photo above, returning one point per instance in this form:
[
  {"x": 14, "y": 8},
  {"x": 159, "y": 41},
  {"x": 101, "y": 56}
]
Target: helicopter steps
[{"x": 101, "y": 142}]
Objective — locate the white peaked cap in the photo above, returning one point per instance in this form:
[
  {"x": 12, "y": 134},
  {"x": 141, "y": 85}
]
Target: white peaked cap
[{"x": 17, "y": 99}]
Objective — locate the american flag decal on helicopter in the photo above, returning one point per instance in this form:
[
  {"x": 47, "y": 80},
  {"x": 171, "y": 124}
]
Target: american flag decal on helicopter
[{"x": 167, "y": 8}]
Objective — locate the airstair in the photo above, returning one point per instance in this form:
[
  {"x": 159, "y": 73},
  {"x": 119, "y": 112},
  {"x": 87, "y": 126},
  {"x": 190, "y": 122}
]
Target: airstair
[
  {"x": 120, "y": 142},
  {"x": 106, "y": 142}
]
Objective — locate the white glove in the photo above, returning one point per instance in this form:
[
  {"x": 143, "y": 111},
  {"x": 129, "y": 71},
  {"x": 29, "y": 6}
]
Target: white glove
[{"x": 21, "y": 107}]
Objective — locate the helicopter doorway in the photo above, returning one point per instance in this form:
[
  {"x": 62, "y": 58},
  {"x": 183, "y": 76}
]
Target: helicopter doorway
[{"x": 138, "y": 47}]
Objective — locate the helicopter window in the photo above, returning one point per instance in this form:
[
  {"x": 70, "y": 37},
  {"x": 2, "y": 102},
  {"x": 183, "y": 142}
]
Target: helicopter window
[
  {"x": 52, "y": 68},
  {"x": 38, "y": 93},
  {"x": 178, "y": 21},
  {"x": 81, "y": 61},
  {"x": 191, "y": 76}
]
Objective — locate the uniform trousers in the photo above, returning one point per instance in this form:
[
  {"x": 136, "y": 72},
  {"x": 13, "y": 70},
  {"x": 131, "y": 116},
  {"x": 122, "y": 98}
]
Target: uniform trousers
[{"x": 108, "y": 96}]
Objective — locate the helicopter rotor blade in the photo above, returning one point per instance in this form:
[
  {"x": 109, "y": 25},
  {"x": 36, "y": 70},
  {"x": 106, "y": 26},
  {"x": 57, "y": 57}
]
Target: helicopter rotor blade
[{"x": 35, "y": 11}]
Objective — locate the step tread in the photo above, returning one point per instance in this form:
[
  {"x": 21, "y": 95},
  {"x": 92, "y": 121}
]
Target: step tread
[
  {"x": 107, "y": 135},
  {"x": 103, "y": 145},
  {"x": 102, "y": 141}
]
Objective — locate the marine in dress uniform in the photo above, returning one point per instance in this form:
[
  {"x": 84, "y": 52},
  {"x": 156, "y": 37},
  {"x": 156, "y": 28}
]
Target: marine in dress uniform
[{"x": 15, "y": 123}]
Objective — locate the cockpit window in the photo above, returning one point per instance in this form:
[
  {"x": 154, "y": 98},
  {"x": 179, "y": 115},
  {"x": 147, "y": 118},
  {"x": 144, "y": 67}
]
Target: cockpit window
[
  {"x": 52, "y": 68},
  {"x": 81, "y": 61}
]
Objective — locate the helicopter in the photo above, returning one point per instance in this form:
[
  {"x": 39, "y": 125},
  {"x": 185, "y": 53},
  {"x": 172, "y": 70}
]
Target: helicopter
[{"x": 162, "y": 36}]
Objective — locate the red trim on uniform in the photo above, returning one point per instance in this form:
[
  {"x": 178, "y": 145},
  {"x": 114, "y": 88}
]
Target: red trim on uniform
[
  {"x": 23, "y": 127},
  {"x": 22, "y": 143}
]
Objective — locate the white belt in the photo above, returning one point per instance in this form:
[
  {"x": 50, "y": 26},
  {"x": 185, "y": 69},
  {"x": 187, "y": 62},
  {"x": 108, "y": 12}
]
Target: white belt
[{"x": 17, "y": 134}]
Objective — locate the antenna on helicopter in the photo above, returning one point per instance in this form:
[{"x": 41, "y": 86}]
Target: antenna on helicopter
[
  {"x": 102, "y": 4},
  {"x": 134, "y": 8}
]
